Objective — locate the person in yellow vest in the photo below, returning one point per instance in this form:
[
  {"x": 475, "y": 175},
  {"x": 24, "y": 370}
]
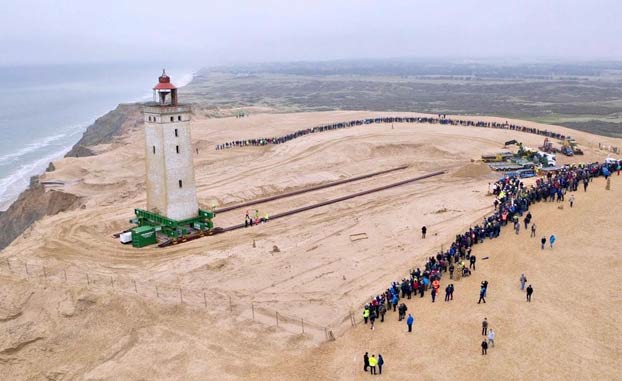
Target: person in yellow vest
[
  {"x": 366, "y": 313},
  {"x": 372, "y": 364},
  {"x": 267, "y": 217}
]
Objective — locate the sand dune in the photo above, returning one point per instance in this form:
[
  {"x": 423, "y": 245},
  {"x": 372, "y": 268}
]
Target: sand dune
[{"x": 318, "y": 274}]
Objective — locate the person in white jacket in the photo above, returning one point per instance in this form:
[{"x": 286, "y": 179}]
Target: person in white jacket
[
  {"x": 523, "y": 280},
  {"x": 491, "y": 338}
]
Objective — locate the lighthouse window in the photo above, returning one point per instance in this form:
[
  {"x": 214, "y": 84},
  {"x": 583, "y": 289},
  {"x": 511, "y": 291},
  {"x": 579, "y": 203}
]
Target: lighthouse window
[
  {"x": 172, "y": 118},
  {"x": 180, "y": 183},
  {"x": 176, "y": 133},
  {"x": 179, "y": 118},
  {"x": 153, "y": 150},
  {"x": 177, "y": 149}
]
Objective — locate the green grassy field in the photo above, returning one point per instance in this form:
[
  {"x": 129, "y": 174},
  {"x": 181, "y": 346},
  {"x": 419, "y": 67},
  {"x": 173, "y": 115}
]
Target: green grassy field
[{"x": 586, "y": 96}]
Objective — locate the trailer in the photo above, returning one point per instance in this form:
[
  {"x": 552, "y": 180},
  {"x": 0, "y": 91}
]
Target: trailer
[
  {"x": 505, "y": 166},
  {"x": 152, "y": 227},
  {"x": 495, "y": 157}
]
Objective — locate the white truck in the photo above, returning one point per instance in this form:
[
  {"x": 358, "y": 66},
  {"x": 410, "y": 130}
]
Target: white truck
[{"x": 550, "y": 158}]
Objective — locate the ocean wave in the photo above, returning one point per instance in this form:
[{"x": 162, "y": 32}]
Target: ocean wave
[
  {"x": 41, "y": 143},
  {"x": 30, "y": 148},
  {"x": 16, "y": 181},
  {"x": 13, "y": 184}
]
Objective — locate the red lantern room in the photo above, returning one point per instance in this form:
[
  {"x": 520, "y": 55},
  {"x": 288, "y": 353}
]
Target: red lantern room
[{"x": 162, "y": 89}]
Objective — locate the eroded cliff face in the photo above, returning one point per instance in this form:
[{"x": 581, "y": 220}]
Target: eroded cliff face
[
  {"x": 33, "y": 204},
  {"x": 36, "y": 202},
  {"x": 106, "y": 128}
]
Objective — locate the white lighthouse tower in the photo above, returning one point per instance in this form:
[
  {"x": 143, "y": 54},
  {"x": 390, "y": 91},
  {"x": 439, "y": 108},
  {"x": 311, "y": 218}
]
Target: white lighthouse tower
[{"x": 171, "y": 191}]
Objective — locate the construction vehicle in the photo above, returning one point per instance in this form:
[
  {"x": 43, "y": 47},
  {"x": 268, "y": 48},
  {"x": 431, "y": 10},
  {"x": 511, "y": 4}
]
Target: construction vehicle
[
  {"x": 546, "y": 159},
  {"x": 547, "y": 146},
  {"x": 574, "y": 146},
  {"x": 566, "y": 148},
  {"x": 521, "y": 149}
]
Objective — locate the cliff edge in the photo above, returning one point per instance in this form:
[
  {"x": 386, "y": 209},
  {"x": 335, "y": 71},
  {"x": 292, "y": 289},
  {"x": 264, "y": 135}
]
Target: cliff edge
[
  {"x": 33, "y": 204},
  {"x": 106, "y": 128},
  {"x": 36, "y": 202}
]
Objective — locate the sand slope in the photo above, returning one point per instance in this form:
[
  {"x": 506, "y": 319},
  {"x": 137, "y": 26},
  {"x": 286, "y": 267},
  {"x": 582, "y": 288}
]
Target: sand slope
[
  {"x": 319, "y": 274},
  {"x": 571, "y": 330}
]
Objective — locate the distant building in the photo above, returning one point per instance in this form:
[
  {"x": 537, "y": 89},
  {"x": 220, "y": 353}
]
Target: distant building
[{"x": 171, "y": 190}]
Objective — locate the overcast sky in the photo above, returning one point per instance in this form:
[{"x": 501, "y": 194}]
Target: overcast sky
[{"x": 231, "y": 31}]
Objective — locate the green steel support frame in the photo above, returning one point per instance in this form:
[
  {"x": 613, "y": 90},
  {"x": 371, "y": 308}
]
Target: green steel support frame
[{"x": 174, "y": 228}]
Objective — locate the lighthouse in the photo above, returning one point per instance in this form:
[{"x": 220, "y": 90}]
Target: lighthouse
[{"x": 171, "y": 189}]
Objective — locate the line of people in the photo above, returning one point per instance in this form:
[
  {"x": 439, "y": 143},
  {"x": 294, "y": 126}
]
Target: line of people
[
  {"x": 512, "y": 201},
  {"x": 489, "y": 337},
  {"x": 441, "y": 119}
]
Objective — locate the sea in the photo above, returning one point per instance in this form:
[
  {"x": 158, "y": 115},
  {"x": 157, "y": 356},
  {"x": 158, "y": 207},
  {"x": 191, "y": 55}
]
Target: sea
[{"x": 44, "y": 109}]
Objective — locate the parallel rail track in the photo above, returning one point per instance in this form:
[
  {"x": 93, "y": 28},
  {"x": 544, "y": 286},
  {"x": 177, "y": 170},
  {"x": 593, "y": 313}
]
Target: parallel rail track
[
  {"x": 310, "y": 189},
  {"x": 219, "y": 230}
]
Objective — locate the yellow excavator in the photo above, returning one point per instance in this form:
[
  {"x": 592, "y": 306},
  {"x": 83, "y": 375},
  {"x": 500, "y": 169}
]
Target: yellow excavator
[{"x": 570, "y": 147}]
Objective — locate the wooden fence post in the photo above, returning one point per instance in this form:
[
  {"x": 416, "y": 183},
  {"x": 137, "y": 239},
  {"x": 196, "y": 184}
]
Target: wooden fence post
[
  {"x": 135, "y": 288},
  {"x": 65, "y": 275},
  {"x": 230, "y": 305},
  {"x": 302, "y": 323},
  {"x": 277, "y": 318},
  {"x": 26, "y": 266},
  {"x": 88, "y": 281},
  {"x": 45, "y": 274},
  {"x": 157, "y": 292},
  {"x": 205, "y": 299},
  {"x": 9, "y": 264},
  {"x": 112, "y": 281}
]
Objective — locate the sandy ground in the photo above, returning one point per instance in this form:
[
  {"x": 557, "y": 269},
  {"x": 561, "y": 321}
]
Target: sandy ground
[
  {"x": 571, "y": 330},
  {"x": 318, "y": 274}
]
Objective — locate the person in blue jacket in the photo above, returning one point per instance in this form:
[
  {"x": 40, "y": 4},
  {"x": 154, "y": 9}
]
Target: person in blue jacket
[
  {"x": 380, "y": 363},
  {"x": 552, "y": 240},
  {"x": 409, "y": 322}
]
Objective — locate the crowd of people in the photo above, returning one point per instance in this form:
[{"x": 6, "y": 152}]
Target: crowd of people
[
  {"x": 512, "y": 201},
  {"x": 255, "y": 219},
  {"x": 370, "y": 363},
  {"x": 440, "y": 119}
]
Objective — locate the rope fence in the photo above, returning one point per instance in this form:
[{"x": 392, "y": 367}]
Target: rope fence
[{"x": 207, "y": 300}]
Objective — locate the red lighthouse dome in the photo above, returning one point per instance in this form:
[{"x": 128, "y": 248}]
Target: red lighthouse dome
[
  {"x": 163, "y": 89},
  {"x": 164, "y": 82}
]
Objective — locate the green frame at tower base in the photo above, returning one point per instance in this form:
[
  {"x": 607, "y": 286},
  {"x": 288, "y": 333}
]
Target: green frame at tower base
[{"x": 169, "y": 227}]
